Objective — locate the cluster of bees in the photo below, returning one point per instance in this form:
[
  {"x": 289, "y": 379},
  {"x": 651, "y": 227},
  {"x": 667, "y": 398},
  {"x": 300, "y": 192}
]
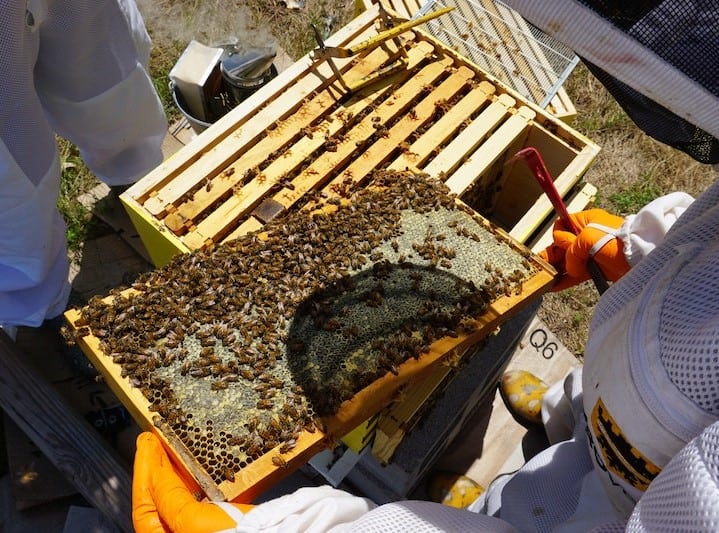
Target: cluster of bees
[{"x": 242, "y": 347}]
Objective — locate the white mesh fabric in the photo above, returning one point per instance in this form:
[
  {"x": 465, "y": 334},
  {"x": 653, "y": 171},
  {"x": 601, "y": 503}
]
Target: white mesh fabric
[
  {"x": 689, "y": 320},
  {"x": 95, "y": 91},
  {"x": 85, "y": 49},
  {"x": 689, "y": 334},
  {"x": 69, "y": 67},
  {"x": 685, "y": 496},
  {"x": 23, "y": 127},
  {"x": 426, "y": 517}
]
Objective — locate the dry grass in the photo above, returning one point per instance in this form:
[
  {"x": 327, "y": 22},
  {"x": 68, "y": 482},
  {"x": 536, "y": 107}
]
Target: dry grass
[{"x": 630, "y": 170}]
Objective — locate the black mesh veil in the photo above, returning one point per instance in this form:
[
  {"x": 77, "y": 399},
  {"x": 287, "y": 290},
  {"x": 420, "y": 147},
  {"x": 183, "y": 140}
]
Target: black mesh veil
[
  {"x": 682, "y": 34},
  {"x": 658, "y": 122}
]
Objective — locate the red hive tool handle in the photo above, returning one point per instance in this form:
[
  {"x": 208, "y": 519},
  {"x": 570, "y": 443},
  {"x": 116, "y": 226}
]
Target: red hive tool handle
[{"x": 534, "y": 161}]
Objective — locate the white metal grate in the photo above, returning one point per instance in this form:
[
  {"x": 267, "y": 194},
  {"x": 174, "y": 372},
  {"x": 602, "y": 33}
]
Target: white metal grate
[{"x": 502, "y": 43}]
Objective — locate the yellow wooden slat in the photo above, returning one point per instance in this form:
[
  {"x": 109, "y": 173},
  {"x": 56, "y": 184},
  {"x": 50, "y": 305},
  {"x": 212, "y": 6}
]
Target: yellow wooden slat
[
  {"x": 376, "y": 154},
  {"x": 488, "y": 152},
  {"x": 471, "y": 137},
  {"x": 238, "y": 128},
  {"x": 320, "y": 169},
  {"x": 444, "y": 129},
  {"x": 274, "y": 142},
  {"x": 392, "y": 423}
]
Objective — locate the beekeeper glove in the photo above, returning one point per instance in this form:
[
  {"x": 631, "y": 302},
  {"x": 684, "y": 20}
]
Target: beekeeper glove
[
  {"x": 569, "y": 253},
  {"x": 163, "y": 501}
]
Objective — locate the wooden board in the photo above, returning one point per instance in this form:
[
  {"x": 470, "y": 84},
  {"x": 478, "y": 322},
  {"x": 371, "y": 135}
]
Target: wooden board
[
  {"x": 67, "y": 440},
  {"x": 304, "y": 134}
]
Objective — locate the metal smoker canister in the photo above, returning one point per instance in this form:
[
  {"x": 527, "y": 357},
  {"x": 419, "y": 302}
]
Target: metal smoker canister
[{"x": 245, "y": 72}]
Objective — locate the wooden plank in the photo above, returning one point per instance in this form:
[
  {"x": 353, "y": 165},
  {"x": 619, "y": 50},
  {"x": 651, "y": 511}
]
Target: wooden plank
[
  {"x": 394, "y": 422},
  {"x": 68, "y": 441},
  {"x": 528, "y": 49},
  {"x": 445, "y": 128},
  {"x": 470, "y": 138},
  {"x": 490, "y": 151},
  {"x": 564, "y": 182}
]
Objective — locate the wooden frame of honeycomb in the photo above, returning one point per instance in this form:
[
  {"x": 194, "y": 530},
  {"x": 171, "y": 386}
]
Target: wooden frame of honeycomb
[{"x": 250, "y": 356}]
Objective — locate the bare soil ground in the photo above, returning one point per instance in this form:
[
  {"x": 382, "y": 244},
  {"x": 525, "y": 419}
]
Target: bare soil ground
[{"x": 630, "y": 170}]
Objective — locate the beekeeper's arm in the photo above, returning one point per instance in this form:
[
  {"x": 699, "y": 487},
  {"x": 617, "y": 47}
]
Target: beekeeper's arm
[
  {"x": 615, "y": 243},
  {"x": 95, "y": 89},
  {"x": 73, "y": 67},
  {"x": 164, "y": 500}
]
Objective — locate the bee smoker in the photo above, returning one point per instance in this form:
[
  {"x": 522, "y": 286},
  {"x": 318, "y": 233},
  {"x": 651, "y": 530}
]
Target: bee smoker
[
  {"x": 207, "y": 82},
  {"x": 244, "y": 72}
]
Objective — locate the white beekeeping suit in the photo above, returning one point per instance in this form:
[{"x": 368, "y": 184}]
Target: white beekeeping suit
[{"x": 75, "y": 68}]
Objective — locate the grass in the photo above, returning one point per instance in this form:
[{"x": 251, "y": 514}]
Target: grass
[
  {"x": 636, "y": 195},
  {"x": 76, "y": 180}
]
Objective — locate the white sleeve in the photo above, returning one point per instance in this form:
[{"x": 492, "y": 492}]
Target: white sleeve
[
  {"x": 95, "y": 91},
  {"x": 642, "y": 232},
  {"x": 307, "y": 510},
  {"x": 428, "y": 517}
]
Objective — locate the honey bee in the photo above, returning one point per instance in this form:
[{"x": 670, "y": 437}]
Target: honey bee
[
  {"x": 287, "y": 446},
  {"x": 253, "y": 449},
  {"x": 252, "y": 423},
  {"x": 279, "y": 461},
  {"x": 235, "y": 441},
  {"x": 228, "y": 474},
  {"x": 264, "y": 404}
]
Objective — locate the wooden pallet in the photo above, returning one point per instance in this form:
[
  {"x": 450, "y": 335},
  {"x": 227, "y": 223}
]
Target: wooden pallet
[{"x": 303, "y": 132}]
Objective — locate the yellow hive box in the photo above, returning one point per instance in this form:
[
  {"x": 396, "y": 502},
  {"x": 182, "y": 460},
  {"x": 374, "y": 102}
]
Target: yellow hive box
[{"x": 303, "y": 132}]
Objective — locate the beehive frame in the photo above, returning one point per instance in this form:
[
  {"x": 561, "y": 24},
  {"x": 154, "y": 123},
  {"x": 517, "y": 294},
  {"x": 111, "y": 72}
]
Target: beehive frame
[
  {"x": 302, "y": 138},
  {"x": 411, "y": 293}
]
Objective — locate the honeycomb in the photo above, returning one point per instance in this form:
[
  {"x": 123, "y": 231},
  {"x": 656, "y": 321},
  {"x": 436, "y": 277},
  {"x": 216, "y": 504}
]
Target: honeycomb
[{"x": 241, "y": 347}]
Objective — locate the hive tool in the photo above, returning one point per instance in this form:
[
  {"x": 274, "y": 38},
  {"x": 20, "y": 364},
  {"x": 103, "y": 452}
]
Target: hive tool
[{"x": 391, "y": 28}]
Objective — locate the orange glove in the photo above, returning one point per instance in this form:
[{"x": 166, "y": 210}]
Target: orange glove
[
  {"x": 569, "y": 253},
  {"x": 162, "y": 501}
]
